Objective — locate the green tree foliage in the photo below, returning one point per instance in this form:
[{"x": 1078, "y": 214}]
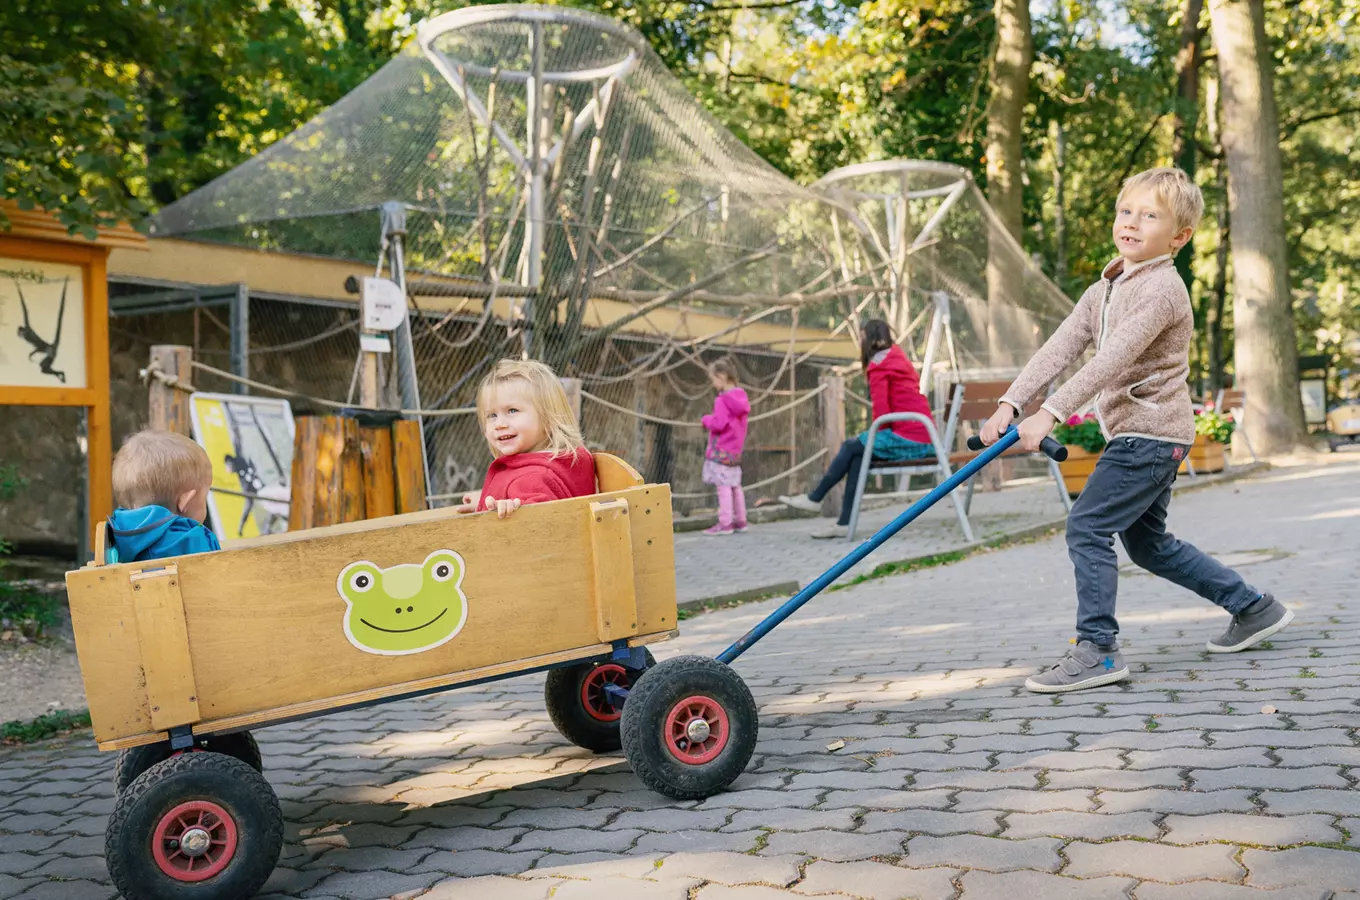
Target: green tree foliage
[{"x": 111, "y": 108}]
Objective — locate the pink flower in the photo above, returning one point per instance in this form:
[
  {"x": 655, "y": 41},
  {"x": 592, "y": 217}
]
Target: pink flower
[
  {"x": 1075, "y": 420},
  {"x": 1090, "y": 417}
]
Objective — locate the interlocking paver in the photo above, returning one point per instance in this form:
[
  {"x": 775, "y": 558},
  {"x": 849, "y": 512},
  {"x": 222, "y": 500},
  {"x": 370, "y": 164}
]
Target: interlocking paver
[
  {"x": 1025, "y": 801},
  {"x": 877, "y": 881},
  {"x": 491, "y": 886},
  {"x": 699, "y": 841},
  {"x": 1303, "y": 866},
  {"x": 733, "y": 868},
  {"x": 1087, "y": 826},
  {"x": 835, "y": 845},
  {"x": 629, "y": 888},
  {"x": 69, "y": 890},
  {"x": 1153, "y": 861},
  {"x": 930, "y": 821},
  {"x": 1188, "y": 802},
  {"x": 1265, "y": 779},
  {"x": 971, "y": 851},
  {"x": 1250, "y": 829},
  {"x": 1206, "y": 890},
  {"x": 1039, "y": 886},
  {"x": 1338, "y": 802}
]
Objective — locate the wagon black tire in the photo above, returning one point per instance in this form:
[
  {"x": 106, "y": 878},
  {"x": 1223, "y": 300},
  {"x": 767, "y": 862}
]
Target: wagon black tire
[
  {"x": 217, "y": 801},
  {"x": 664, "y": 753},
  {"x": 136, "y": 760},
  {"x": 583, "y": 722}
]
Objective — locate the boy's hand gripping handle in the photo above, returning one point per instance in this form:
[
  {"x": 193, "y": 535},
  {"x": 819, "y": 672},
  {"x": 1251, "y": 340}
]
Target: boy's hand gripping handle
[{"x": 1051, "y": 448}]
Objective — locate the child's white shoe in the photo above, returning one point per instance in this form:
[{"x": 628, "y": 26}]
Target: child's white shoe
[{"x": 801, "y": 501}]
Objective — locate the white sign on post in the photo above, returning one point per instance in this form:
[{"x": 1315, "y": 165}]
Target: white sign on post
[{"x": 383, "y": 304}]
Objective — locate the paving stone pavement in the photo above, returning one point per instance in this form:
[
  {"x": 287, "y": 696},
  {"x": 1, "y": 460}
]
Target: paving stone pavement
[
  {"x": 954, "y": 783},
  {"x": 780, "y": 552}
]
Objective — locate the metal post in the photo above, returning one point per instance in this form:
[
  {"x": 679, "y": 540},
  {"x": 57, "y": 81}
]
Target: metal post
[
  {"x": 939, "y": 322},
  {"x": 534, "y": 217},
  {"x": 240, "y": 337},
  {"x": 408, "y": 382}
]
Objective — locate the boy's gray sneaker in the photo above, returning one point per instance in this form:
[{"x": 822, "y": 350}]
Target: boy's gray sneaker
[
  {"x": 1252, "y": 625},
  {"x": 1084, "y": 666}
]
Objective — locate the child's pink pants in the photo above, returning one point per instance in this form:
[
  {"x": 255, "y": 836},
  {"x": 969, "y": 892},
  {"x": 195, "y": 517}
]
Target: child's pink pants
[{"x": 731, "y": 506}]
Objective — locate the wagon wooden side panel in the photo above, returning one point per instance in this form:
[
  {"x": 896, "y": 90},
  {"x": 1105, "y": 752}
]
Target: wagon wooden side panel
[{"x": 426, "y": 600}]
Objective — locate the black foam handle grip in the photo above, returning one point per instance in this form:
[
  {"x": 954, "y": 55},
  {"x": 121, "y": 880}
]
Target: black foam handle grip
[{"x": 1051, "y": 448}]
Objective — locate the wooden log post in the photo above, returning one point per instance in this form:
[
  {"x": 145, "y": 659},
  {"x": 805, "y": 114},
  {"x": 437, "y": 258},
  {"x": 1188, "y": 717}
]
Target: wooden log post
[
  {"x": 353, "y": 495},
  {"x": 344, "y": 471},
  {"x": 832, "y": 402},
  {"x": 380, "y": 489},
  {"x": 168, "y": 405},
  {"x": 409, "y": 464}
]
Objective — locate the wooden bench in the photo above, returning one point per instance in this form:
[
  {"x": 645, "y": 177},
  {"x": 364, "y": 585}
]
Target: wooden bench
[{"x": 981, "y": 400}]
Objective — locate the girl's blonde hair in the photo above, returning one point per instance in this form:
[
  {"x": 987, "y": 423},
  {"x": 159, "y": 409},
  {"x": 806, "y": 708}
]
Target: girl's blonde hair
[
  {"x": 725, "y": 368},
  {"x": 547, "y": 396}
]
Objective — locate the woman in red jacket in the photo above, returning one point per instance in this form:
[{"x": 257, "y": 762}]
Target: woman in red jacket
[
  {"x": 528, "y": 422},
  {"x": 894, "y": 387}
]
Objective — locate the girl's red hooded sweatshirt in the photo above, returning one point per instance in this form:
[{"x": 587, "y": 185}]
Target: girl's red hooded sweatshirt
[
  {"x": 894, "y": 387},
  {"x": 538, "y": 478}
]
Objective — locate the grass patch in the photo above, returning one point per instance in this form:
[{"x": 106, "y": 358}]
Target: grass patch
[
  {"x": 883, "y": 570},
  {"x": 45, "y": 726}
]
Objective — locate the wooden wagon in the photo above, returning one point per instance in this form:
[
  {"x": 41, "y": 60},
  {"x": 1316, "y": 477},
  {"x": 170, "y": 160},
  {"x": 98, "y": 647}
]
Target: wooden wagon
[{"x": 182, "y": 657}]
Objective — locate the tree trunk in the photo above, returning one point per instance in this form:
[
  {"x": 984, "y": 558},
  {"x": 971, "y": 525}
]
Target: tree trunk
[
  {"x": 1059, "y": 137},
  {"x": 1188, "y": 62},
  {"x": 1218, "y": 295},
  {"x": 1011, "y": 63},
  {"x": 1266, "y": 352}
]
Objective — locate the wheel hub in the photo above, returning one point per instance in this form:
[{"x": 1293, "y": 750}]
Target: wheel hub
[
  {"x": 595, "y": 699},
  {"x": 696, "y": 730},
  {"x": 195, "y": 842}
]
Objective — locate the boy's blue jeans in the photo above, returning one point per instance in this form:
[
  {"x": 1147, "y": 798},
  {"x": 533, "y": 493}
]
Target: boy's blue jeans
[{"x": 1128, "y": 495}]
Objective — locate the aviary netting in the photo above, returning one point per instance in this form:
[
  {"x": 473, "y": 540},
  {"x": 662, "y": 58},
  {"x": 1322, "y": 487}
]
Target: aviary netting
[{"x": 541, "y": 184}]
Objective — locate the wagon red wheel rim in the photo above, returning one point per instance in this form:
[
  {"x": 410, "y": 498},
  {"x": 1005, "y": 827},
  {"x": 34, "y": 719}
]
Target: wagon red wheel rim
[
  {"x": 594, "y": 698},
  {"x": 696, "y": 730},
  {"x": 194, "y": 841}
]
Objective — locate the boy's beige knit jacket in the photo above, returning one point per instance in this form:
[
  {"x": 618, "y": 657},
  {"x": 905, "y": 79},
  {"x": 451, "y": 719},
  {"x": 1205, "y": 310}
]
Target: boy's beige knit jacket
[{"x": 1141, "y": 327}]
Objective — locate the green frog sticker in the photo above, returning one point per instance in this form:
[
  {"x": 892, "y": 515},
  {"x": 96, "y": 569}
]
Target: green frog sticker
[{"x": 407, "y": 608}]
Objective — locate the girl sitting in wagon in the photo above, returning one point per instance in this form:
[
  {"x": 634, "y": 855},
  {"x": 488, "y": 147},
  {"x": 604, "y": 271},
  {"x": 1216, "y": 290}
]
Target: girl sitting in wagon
[{"x": 538, "y": 449}]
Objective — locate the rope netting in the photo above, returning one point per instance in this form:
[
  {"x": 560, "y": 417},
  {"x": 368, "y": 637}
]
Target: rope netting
[{"x": 565, "y": 198}]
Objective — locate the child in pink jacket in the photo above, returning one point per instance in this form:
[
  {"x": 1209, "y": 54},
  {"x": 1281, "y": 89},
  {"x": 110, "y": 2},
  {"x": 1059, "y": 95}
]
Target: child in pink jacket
[{"x": 726, "y": 437}]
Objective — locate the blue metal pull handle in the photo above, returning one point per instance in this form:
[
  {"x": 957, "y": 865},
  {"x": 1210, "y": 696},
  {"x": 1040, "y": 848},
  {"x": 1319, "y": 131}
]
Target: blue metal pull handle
[{"x": 908, "y": 516}]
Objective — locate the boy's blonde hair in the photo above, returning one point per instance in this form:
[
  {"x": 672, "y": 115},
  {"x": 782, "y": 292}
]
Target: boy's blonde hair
[
  {"x": 547, "y": 396},
  {"x": 1175, "y": 189},
  {"x": 154, "y": 468}
]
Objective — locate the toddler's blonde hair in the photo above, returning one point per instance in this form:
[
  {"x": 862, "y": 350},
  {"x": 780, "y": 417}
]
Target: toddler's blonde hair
[
  {"x": 153, "y": 468},
  {"x": 547, "y": 396},
  {"x": 1175, "y": 189}
]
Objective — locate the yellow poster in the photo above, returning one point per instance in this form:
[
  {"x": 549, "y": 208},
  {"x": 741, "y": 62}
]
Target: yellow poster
[{"x": 250, "y": 443}]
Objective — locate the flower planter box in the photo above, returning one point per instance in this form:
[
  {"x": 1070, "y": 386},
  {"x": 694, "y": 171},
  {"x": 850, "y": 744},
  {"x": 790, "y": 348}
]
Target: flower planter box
[
  {"x": 1077, "y": 468},
  {"x": 1206, "y": 456}
]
